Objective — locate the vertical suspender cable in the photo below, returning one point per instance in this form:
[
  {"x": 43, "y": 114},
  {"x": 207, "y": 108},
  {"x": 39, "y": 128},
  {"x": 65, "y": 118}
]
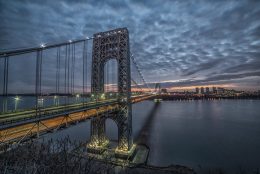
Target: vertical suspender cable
[
  {"x": 40, "y": 75},
  {"x": 5, "y": 87},
  {"x": 86, "y": 66},
  {"x": 83, "y": 69},
  {"x": 68, "y": 76},
  {"x": 57, "y": 69},
  {"x": 73, "y": 70},
  {"x": 57, "y": 76},
  {"x": 65, "y": 80},
  {"x": 37, "y": 82},
  {"x": 58, "y": 88}
]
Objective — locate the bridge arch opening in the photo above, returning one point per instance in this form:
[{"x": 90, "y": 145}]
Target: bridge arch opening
[
  {"x": 112, "y": 132},
  {"x": 111, "y": 78}
]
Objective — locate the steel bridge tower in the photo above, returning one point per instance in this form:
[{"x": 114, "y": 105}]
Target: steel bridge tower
[{"x": 108, "y": 45}]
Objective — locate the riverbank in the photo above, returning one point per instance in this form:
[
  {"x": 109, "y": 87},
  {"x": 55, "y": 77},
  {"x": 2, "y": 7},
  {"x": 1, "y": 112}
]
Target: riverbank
[{"x": 65, "y": 156}]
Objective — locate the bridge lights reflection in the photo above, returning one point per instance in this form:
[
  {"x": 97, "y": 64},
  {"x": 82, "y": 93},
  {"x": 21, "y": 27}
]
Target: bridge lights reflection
[{"x": 16, "y": 102}]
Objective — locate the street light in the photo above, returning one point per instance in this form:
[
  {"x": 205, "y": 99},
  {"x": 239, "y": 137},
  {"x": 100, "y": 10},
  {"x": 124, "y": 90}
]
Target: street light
[
  {"x": 42, "y": 45},
  {"x": 16, "y": 101},
  {"x": 77, "y": 97},
  {"x": 103, "y": 96},
  {"x": 56, "y": 100}
]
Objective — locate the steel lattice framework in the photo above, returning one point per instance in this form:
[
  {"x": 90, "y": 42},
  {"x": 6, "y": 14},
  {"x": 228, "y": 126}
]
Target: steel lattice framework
[{"x": 108, "y": 45}]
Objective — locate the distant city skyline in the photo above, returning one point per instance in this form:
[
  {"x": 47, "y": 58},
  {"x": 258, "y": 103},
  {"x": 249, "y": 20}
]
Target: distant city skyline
[{"x": 181, "y": 44}]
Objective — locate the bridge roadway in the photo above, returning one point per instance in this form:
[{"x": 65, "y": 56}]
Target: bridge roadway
[{"x": 16, "y": 127}]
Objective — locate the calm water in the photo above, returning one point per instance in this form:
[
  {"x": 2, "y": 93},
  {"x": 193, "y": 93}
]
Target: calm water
[{"x": 209, "y": 134}]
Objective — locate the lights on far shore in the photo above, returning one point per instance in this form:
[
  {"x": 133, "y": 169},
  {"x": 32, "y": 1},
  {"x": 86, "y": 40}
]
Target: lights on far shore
[{"x": 77, "y": 95}]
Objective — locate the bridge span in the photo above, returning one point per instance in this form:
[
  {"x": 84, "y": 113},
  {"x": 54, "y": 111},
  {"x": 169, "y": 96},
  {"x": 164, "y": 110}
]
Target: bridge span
[
  {"x": 19, "y": 126},
  {"x": 99, "y": 79}
]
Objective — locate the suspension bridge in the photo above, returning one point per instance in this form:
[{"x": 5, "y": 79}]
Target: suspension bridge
[{"x": 91, "y": 78}]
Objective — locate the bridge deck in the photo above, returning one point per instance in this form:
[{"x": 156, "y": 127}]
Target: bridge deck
[{"x": 16, "y": 127}]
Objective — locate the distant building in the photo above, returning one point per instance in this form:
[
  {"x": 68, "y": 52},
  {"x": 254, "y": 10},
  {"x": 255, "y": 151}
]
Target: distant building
[
  {"x": 197, "y": 90},
  {"x": 202, "y": 90},
  {"x": 207, "y": 90},
  {"x": 214, "y": 90},
  {"x": 221, "y": 90}
]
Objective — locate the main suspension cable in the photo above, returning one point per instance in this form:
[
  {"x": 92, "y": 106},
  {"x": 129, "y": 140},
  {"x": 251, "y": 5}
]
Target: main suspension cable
[{"x": 139, "y": 71}]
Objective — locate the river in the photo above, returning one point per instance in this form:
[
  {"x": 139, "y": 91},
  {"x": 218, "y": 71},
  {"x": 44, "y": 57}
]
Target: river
[{"x": 200, "y": 134}]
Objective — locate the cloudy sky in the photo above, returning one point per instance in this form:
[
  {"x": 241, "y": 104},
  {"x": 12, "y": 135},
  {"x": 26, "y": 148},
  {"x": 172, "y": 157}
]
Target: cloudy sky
[{"x": 178, "y": 43}]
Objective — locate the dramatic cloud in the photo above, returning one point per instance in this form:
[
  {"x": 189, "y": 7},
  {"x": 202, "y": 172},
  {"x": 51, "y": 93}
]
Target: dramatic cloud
[{"x": 188, "y": 42}]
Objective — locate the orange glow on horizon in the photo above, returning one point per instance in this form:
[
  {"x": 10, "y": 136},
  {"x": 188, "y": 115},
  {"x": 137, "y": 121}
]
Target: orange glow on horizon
[
  {"x": 187, "y": 88},
  {"x": 199, "y": 86}
]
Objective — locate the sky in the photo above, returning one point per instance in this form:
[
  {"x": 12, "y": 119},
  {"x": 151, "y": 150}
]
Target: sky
[{"x": 177, "y": 43}]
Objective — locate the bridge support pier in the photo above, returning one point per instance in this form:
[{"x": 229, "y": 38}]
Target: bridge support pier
[
  {"x": 100, "y": 143},
  {"x": 108, "y": 45}
]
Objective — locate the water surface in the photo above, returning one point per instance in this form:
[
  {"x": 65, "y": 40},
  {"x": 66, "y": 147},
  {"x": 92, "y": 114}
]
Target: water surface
[{"x": 200, "y": 134}]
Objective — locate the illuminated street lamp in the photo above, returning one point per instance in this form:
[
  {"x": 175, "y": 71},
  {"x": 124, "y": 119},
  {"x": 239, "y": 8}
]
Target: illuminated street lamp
[
  {"x": 16, "y": 102},
  {"x": 103, "y": 96},
  {"x": 77, "y": 97},
  {"x": 43, "y": 45},
  {"x": 92, "y": 97},
  {"x": 56, "y": 100}
]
